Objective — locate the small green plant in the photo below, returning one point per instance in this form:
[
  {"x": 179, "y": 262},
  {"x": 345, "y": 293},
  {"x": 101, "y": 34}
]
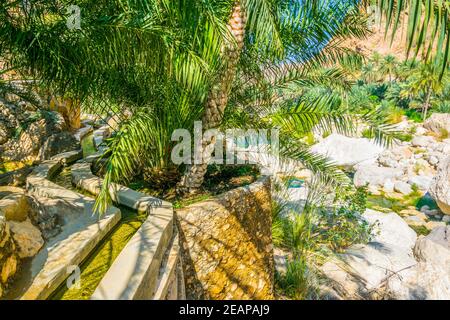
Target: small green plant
[
  {"x": 414, "y": 115},
  {"x": 443, "y": 134},
  {"x": 421, "y": 230},
  {"x": 277, "y": 224},
  {"x": 300, "y": 281},
  {"x": 326, "y": 134},
  {"x": 343, "y": 226},
  {"x": 395, "y": 114},
  {"x": 316, "y": 233}
]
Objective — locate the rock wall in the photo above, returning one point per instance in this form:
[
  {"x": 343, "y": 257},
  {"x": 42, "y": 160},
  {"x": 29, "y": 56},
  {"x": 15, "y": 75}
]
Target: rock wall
[
  {"x": 226, "y": 245},
  {"x": 8, "y": 257}
]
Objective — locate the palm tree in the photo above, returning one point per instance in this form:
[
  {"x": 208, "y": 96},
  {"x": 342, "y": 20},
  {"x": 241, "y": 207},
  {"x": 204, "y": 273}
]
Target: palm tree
[
  {"x": 218, "y": 95},
  {"x": 272, "y": 24},
  {"x": 426, "y": 81},
  {"x": 376, "y": 59},
  {"x": 172, "y": 59},
  {"x": 427, "y": 26},
  {"x": 370, "y": 73},
  {"x": 388, "y": 66}
]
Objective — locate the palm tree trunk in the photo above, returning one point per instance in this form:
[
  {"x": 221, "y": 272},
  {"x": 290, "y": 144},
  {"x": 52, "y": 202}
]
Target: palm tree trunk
[
  {"x": 217, "y": 99},
  {"x": 427, "y": 104}
]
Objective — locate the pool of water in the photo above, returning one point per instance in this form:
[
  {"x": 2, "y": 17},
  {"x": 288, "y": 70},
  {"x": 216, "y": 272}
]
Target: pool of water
[{"x": 99, "y": 261}]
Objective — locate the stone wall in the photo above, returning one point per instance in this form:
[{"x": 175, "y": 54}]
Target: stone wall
[
  {"x": 227, "y": 245},
  {"x": 8, "y": 257}
]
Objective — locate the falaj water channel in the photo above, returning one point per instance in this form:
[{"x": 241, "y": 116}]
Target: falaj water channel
[{"x": 100, "y": 259}]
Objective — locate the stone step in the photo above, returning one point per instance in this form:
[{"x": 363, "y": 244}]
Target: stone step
[
  {"x": 134, "y": 273},
  {"x": 81, "y": 232},
  {"x": 170, "y": 281}
]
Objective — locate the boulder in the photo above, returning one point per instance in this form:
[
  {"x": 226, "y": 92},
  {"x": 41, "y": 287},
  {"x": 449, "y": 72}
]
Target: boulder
[
  {"x": 402, "y": 187},
  {"x": 392, "y": 231},
  {"x": 26, "y": 147},
  {"x": 28, "y": 238},
  {"x": 440, "y": 187},
  {"x": 430, "y": 278},
  {"x": 388, "y": 186},
  {"x": 364, "y": 271},
  {"x": 437, "y": 122},
  {"x": 435, "y": 247},
  {"x": 58, "y": 143},
  {"x": 46, "y": 214},
  {"x": 8, "y": 257},
  {"x": 422, "y": 141},
  {"x": 14, "y": 207},
  {"x": 376, "y": 176},
  {"x": 422, "y": 182},
  {"x": 347, "y": 152}
]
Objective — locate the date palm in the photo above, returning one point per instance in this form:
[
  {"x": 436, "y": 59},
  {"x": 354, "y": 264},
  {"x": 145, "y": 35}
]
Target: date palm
[
  {"x": 426, "y": 81},
  {"x": 270, "y": 15},
  {"x": 170, "y": 62},
  {"x": 218, "y": 96},
  {"x": 388, "y": 66}
]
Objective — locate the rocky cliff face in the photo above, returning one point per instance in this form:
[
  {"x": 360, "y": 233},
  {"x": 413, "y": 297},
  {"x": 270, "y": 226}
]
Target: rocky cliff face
[
  {"x": 381, "y": 42},
  {"x": 28, "y": 133}
]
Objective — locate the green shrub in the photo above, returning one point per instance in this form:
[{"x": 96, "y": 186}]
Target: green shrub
[
  {"x": 414, "y": 115},
  {"x": 312, "y": 235},
  {"x": 300, "y": 280},
  {"x": 277, "y": 224},
  {"x": 343, "y": 225},
  {"x": 442, "y": 107}
]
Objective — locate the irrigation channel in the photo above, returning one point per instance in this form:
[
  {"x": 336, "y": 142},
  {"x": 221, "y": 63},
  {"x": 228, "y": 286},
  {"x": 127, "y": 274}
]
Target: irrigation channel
[{"x": 95, "y": 266}]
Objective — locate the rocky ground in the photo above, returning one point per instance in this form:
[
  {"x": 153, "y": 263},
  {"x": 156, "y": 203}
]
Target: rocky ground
[
  {"x": 24, "y": 227},
  {"x": 28, "y": 223},
  {"x": 29, "y": 134},
  {"x": 397, "y": 263}
]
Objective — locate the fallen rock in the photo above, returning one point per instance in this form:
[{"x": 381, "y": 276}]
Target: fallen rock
[
  {"x": 58, "y": 143},
  {"x": 431, "y": 225},
  {"x": 422, "y": 141},
  {"x": 8, "y": 257},
  {"x": 422, "y": 182},
  {"x": 435, "y": 247},
  {"x": 440, "y": 187},
  {"x": 415, "y": 221},
  {"x": 402, "y": 187},
  {"x": 437, "y": 122},
  {"x": 28, "y": 238},
  {"x": 364, "y": 271},
  {"x": 430, "y": 278},
  {"x": 15, "y": 207},
  {"x": 388, "y": 186},
  {"x": 376, "y": 176},
  {"x": 347, "y": 152}
]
